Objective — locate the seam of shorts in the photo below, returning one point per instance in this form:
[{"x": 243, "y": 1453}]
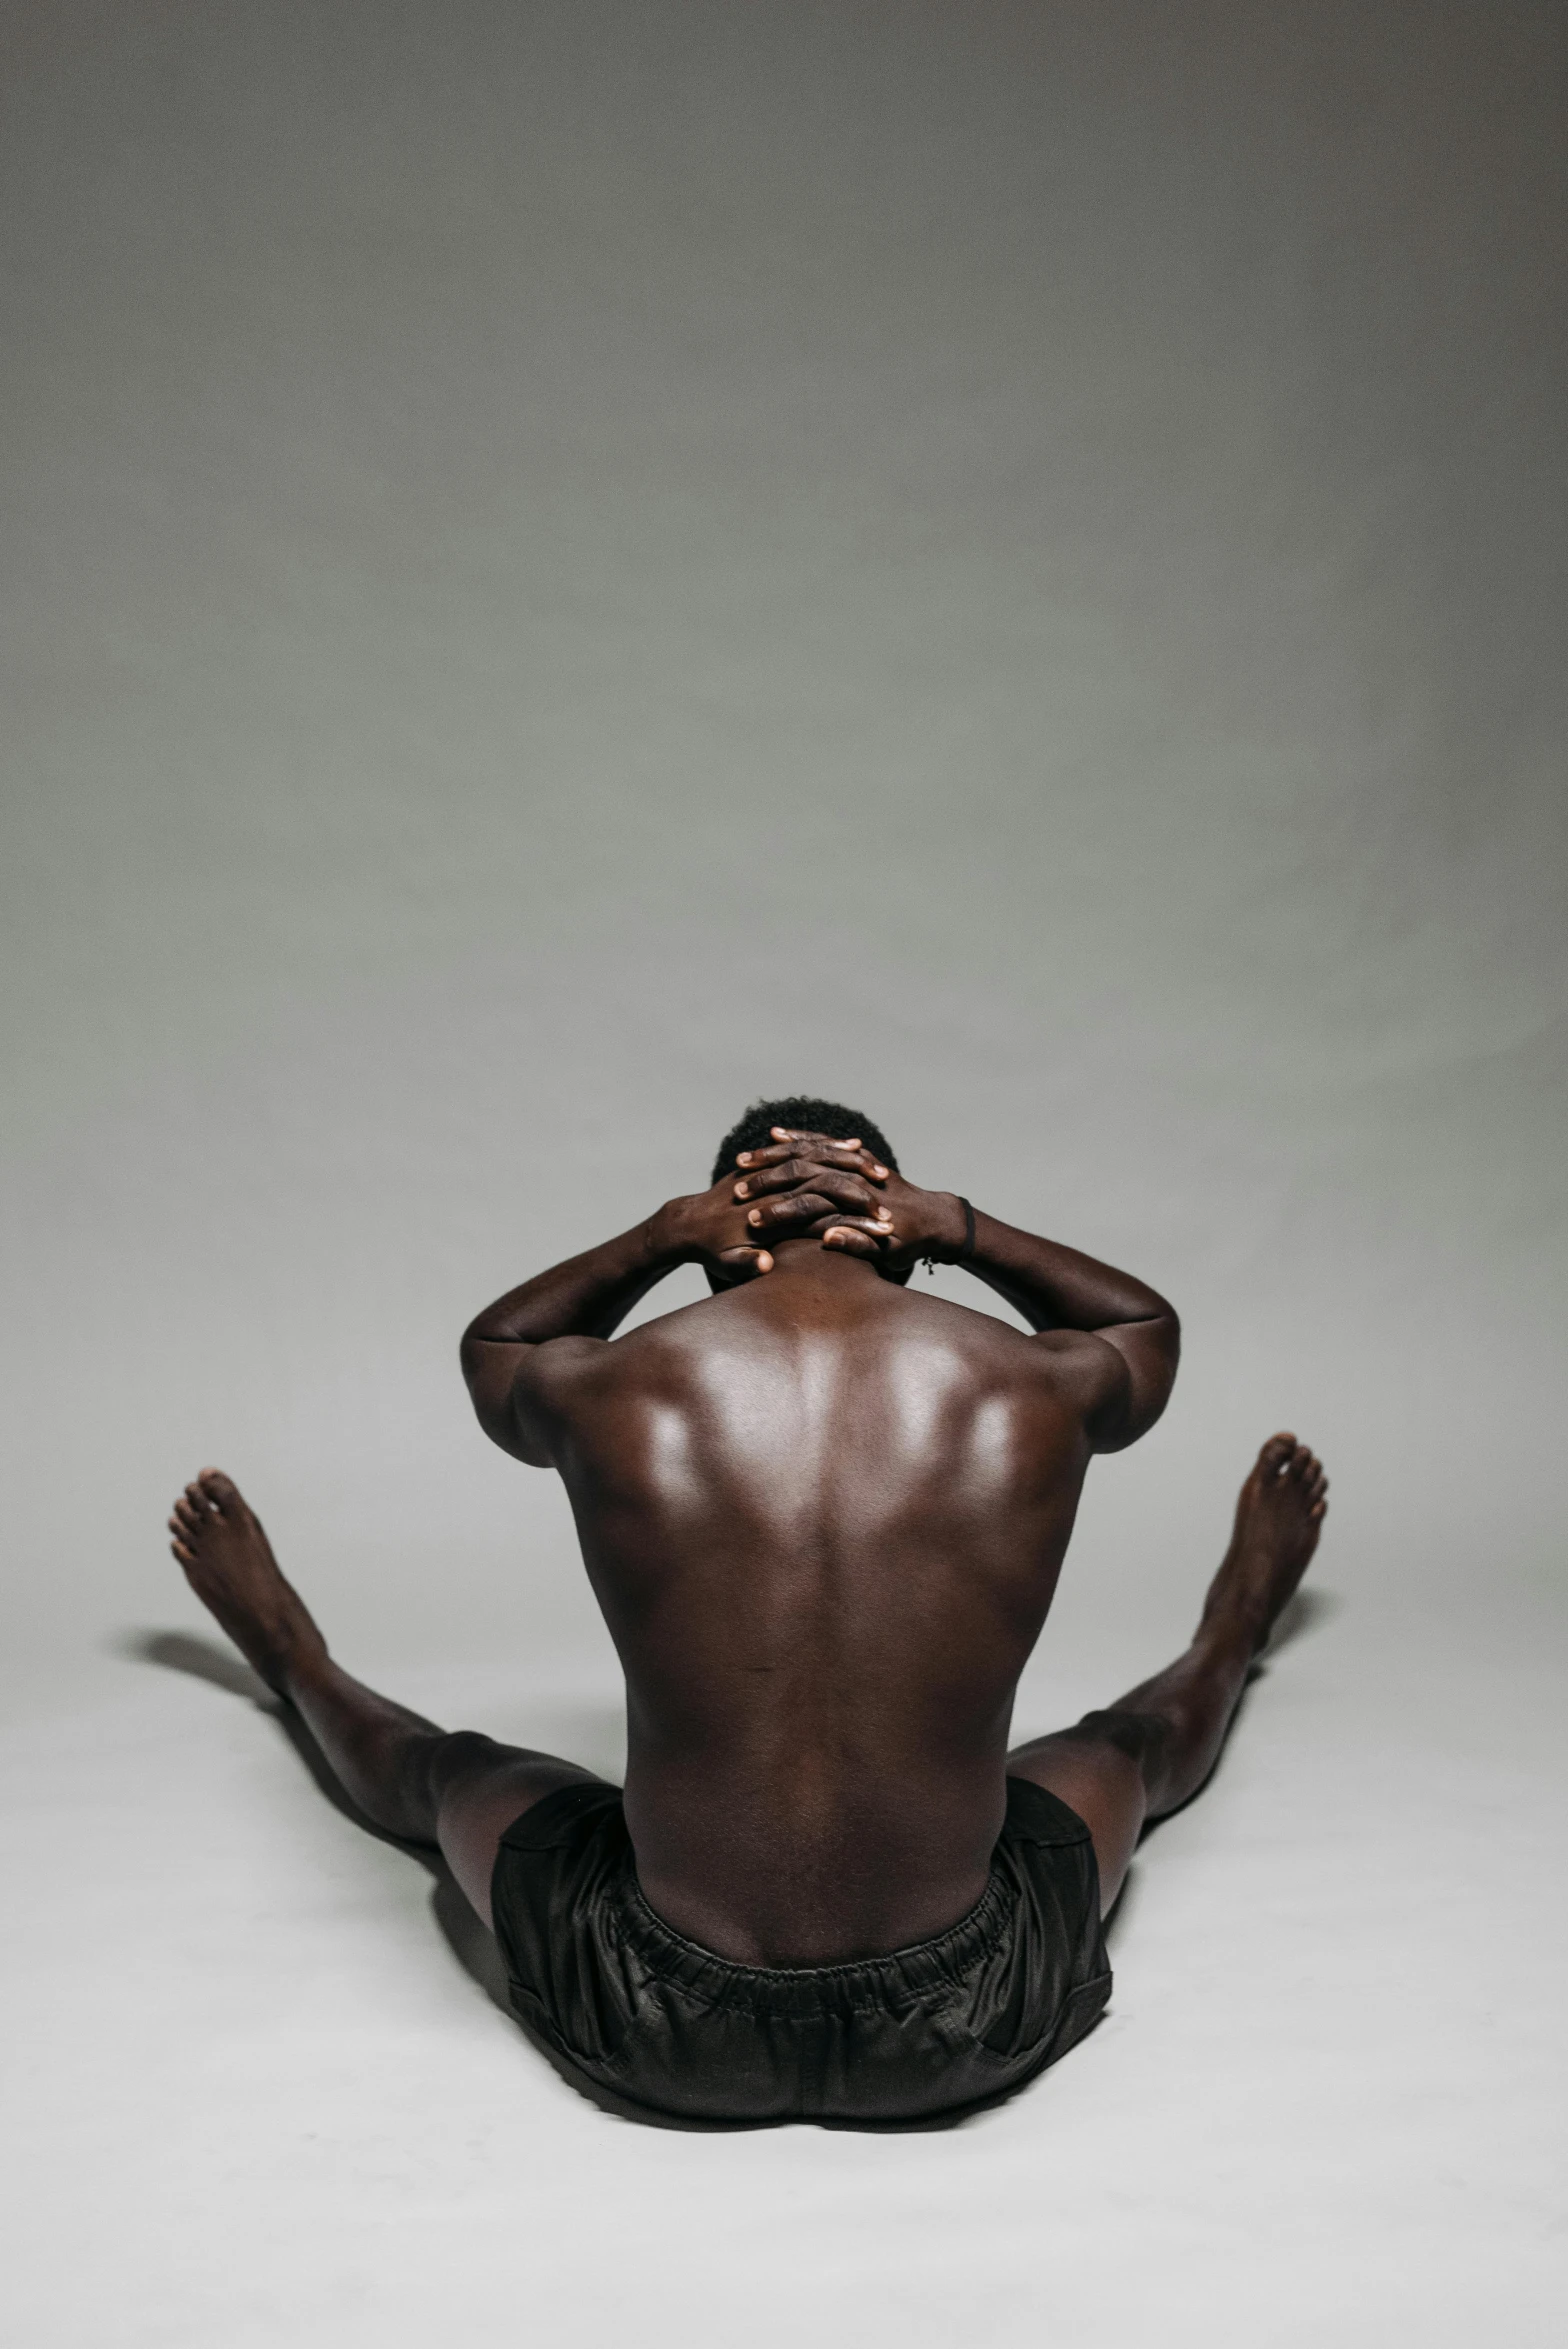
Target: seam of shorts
[{"x": 1036, "y": 2056}]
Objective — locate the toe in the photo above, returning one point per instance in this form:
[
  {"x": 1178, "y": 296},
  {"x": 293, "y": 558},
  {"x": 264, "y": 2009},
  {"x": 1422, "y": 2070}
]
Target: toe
[
  {"x": 220, "y": 1490},
  {"x": 1275, "y": 1453}
]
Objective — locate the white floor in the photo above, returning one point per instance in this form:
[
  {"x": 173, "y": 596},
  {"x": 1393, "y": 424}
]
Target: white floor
[{"x": 263, "y": 2101}]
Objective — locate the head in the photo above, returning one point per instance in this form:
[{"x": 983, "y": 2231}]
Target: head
[{"x": 802, "y": 1114}]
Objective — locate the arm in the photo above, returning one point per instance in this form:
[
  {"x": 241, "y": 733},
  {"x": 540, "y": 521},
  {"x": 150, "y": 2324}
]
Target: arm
[
  {"x": 1136, "y": 1337},
  {"x": 519, "y": 1351},
  {"x": 1130, "y": 1337}
]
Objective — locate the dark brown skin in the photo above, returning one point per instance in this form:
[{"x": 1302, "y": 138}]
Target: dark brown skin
[{"x": 824, "y": 1516}]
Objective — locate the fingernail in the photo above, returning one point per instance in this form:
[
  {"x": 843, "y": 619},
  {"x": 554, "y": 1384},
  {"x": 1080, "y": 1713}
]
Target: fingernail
[
  {"x": 755, "y": 1216},
  {"x": 744, "y": 1159},
  {"x": 742, "y": 1191}
]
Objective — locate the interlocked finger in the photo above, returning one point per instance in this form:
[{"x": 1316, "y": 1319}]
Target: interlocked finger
[
  {"x": 797, "y": 1210},
  {"x": 746, "y": 1261},
  {"x": 857, "y": 1235},
  {"x": 815, "y": 1149},
  {"x": 793, "y": 1211},
  {"x": 849, "y": 1189},
  {"x": 840, "y": 1240}
]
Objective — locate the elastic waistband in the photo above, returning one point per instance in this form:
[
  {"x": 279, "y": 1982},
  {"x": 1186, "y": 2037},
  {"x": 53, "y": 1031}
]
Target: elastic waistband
[{"x": 869, "y": 1984}]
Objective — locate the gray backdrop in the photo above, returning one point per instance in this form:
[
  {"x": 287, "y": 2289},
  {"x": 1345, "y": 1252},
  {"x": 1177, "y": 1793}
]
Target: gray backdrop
[{"x": 568, "y": 564}]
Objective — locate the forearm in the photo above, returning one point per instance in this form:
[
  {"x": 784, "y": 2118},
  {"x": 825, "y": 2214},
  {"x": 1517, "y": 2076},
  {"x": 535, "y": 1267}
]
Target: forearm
[
  {"x": 511, "y": 1360},
  {"x": 587, "y": 1296},
  {"x": 1055, "y": 1287}
]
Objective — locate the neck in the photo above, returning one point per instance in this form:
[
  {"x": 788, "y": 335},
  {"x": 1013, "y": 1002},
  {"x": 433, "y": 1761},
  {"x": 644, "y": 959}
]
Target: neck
[{"x": 807, "y": 1260}]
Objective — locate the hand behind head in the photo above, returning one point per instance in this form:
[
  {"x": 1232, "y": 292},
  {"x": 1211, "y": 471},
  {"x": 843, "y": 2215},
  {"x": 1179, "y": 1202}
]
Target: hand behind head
[{"x": 810, "y": 1186}]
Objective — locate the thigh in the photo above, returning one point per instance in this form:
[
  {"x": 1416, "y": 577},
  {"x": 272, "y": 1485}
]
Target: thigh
[
  {"x": 480, "y": 1788},
  {"x": 1099, "y": 1780}
]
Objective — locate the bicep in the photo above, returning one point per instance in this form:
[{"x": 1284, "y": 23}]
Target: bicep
[{"x": 516, "y": 1391}]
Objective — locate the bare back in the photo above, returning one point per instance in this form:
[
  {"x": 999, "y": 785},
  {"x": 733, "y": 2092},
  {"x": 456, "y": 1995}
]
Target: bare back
[{"x": 824, "y": 1519}]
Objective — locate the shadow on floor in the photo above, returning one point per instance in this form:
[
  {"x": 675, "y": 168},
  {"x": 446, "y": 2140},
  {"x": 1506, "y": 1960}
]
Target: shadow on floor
[
  {"x": 1307, "y": 1612},
  {"x": 471, "y": 1942},
  {"x": 1310, "y": 1610}
]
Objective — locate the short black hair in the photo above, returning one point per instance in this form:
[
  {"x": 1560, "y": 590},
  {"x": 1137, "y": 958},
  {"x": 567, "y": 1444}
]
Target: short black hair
[{"x": 801, "y": 1114}]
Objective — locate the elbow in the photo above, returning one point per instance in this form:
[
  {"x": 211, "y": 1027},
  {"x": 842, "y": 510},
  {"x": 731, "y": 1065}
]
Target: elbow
[
  {"x": 1150, "y": 1354},
  {"x": 1168, "y": 1363},
  {"x": 489, "y": 1393}
]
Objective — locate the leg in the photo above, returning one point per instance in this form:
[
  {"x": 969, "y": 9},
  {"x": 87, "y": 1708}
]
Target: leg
[
  {"x": 459, "y": 1790},
  {"x": 1153, "y": 1749}
]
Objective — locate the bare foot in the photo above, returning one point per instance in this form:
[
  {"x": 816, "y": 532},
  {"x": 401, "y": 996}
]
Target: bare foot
[
  {"x": 229, "y": 1564},
  {"x": 1278, "y": 1519}
]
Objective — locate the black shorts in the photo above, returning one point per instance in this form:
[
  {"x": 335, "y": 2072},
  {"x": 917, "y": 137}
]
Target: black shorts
[{"x": 923, "y": 2032}]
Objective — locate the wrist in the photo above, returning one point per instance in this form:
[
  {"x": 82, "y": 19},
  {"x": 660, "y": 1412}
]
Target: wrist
[
  {"x": 667, "y": 1237},
  {"x": 956, "y": 1232},
  {"x": 950, "y": 1240}
]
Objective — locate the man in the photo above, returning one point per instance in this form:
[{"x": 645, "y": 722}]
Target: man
[{"x": 824, "y": 1516}]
